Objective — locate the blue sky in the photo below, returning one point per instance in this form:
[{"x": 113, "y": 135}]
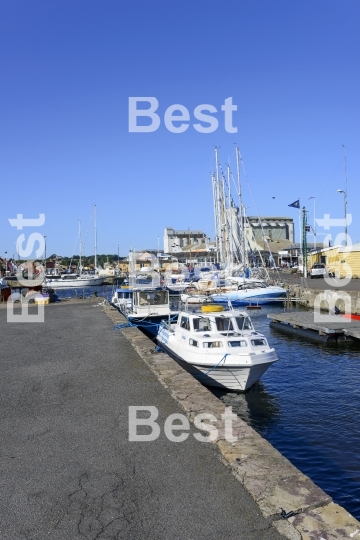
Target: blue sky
[{"x": 67, "y": 69}]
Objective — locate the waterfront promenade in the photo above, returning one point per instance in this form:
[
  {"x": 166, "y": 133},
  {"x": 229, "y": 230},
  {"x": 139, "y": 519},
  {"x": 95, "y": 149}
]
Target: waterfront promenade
[{"x": 68, "y": 470}]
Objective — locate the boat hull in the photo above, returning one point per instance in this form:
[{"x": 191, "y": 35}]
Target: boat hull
[
  {"x": 243, "y": 298},
  {"x": 238, "y": 378},
  {"x": 150, "y": 325},
  {"x": 73, "y": 283}
]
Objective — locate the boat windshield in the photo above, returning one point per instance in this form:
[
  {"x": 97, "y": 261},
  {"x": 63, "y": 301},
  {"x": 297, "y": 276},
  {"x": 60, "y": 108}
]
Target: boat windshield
[
  {"x": 224, "y": 324},
  {"x": 153, "y": 298},
  {"x": 201, "y": 324},
  {"x": 244, "y": 323},
  {"x": 252, "y": 285}
]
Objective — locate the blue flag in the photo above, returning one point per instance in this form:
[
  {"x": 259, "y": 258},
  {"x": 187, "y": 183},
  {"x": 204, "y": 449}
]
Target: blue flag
[{"x": 295, "y": 204}]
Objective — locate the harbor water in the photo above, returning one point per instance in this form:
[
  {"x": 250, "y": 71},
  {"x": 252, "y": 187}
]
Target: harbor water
[
  {"x": 102, "y": 291},
  {"x": 307, "y": 406}
]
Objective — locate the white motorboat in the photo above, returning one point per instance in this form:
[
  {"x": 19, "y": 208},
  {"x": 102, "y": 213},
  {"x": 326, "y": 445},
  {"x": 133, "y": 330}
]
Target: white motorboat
[
  {"x": 219, "y": 347},
  {"x": 145, "y": 308},
  {"x": 242, "y": 291},
  {"x": 67, "y": 281},
  {"x": 122, "y": 298}
]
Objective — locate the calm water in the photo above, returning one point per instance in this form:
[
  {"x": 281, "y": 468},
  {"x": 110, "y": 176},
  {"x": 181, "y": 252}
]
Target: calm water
[
  {"x": 308, "y": 406},
  {"x": 104, "y": 291}
]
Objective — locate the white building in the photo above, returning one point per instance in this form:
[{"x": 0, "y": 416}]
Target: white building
[{"x": 174, "y": 240}]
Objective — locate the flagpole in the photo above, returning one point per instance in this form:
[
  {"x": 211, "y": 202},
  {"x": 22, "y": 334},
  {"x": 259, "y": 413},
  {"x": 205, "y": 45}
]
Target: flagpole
[
  {"x": 300, "y": 234},
  {"x": 296, "y": 204}
]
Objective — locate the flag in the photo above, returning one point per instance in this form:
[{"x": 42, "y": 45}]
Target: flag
[{"x": 295, "y": 204}]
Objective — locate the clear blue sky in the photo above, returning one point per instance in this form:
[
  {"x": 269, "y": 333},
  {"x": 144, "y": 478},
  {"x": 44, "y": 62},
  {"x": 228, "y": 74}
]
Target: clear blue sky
[{"x": 68, "y": 68}]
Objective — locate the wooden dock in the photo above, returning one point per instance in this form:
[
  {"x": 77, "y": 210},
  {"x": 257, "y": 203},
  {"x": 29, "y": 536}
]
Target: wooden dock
[{"x": 320, "y": 327}]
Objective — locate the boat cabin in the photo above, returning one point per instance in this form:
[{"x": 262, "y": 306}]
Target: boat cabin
[
  {"x": 151, "y": 302},
  {"x": 227, "y": 324}
]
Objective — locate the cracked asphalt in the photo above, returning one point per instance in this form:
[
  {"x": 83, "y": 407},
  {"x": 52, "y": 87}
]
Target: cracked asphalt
[{"x": 68, "y": 470}]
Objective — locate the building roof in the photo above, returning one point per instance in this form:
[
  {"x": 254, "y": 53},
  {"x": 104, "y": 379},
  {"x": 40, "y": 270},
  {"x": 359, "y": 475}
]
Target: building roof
[
  {"x": 276, "y": 245},
  {"x": 280, "y": 245},
  {"x": 269, "y": 218},
  {"x": 353, "y": 247}
]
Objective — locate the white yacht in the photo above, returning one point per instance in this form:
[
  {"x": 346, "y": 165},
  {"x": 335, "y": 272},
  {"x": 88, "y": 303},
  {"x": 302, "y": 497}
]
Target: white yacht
[
  {"x": 242, "y": 291},
  {"x": 66, "y": 281},
  {"x": 219, "y": 347}
]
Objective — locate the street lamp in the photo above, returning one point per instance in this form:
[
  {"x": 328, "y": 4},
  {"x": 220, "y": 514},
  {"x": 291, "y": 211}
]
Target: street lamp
[
  {"x": 5, "y": 262},
  {"x": 45, "y": 252},
  {"x": 345, "y": 204}
]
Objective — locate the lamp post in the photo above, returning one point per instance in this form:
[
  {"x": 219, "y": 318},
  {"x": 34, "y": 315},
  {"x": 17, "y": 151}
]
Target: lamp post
[
  {"x": 345, "y": 204},
  {"x": 45, "y": 253},
  {"x": 5, "y": 262}
]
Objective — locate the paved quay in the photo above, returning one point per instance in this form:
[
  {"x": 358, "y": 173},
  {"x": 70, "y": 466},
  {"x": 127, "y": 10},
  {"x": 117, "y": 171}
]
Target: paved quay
[{"x": 68, "y": 470}]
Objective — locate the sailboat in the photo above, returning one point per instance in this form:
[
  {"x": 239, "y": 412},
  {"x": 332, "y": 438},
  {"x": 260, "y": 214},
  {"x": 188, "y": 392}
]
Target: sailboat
[
  {"x": 239, "y": 286},
  {"x": 66, "y": 281}
]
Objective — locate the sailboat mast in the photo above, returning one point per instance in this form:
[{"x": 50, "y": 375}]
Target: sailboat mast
[
  {"x": 95, "y": 239},
  {"x": 242, "y": 216},
  {"x": 229, "y": 221},
  {"x": 213, "y": 181},
  {"x": 218, "y": 209}
]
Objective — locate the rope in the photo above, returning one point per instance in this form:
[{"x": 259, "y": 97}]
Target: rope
[
  {"x": 143, "y": 322},
  {"x": 123, "y": 325},
  {"x": 212, "y": 369}
]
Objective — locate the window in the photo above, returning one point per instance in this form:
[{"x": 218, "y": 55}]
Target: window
[
  {"x": 201, "y": 324},
  {"x": 244, "y": 323},
  {"x": 153, "y": 298},
  {"x": 212, "y": 344},
  {"x": 193, "y": 342},
  {"x": 224, "y": 324},
  {"x": 185, "y": 323},
  {"x": 241, "y": 343},
  {"x": 258, "y": 342}
]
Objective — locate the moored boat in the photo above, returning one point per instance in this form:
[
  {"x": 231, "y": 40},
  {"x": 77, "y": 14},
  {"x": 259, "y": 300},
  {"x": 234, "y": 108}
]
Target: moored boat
[
  {"x": 219, "y": 347},
  {"x": 69, "y": 281},
  {"x": 244, "y": 291},
  {"x": 145, "y": 308}
]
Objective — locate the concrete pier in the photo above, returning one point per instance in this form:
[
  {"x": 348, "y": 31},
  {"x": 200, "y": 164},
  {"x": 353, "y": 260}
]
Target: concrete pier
[
  {"x": 316, "y": 326},
  {"x": 69, "y": 470}
]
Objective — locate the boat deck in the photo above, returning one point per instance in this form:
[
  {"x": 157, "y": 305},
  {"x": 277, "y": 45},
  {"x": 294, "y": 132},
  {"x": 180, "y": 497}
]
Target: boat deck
[{"x": 320, "y": 327}]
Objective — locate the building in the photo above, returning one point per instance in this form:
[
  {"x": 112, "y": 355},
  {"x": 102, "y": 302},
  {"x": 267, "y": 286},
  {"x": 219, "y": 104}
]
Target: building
[
  {"x": 344, "y": 261},
  {"x": 174, "y": 240},
  {"x": 273, "y": 227}
]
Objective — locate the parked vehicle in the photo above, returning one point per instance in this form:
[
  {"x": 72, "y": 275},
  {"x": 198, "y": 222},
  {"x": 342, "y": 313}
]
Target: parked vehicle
[{"x": 318, "y": 270}]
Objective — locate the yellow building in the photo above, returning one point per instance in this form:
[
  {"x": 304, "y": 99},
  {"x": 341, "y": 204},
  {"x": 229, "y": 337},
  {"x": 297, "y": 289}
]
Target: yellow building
[
  {"x": 349, "y": 261},
  {"x": 343, "y": 261}
]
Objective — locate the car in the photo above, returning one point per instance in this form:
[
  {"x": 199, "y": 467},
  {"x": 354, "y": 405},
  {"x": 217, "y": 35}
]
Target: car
[{"x": 318, "y": 270}]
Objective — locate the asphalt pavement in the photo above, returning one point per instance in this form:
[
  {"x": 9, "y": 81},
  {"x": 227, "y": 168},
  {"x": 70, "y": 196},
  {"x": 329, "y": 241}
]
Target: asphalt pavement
[
  {"x": 68, "y": 470},
  {"x": 317, "y": 283}
]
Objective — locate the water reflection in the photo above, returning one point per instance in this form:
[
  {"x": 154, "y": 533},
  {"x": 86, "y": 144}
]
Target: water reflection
[{"x": 257, "y": 407}]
